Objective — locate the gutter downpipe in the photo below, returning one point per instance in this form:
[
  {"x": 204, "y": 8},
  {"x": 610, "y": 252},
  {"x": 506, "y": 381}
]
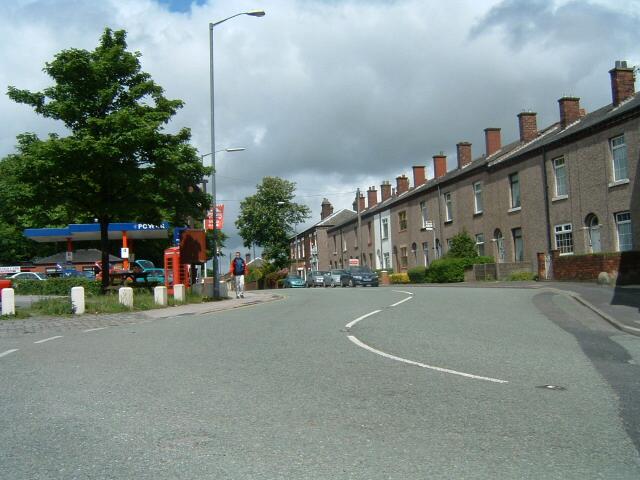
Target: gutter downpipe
[{"x": 545, "y": 182}]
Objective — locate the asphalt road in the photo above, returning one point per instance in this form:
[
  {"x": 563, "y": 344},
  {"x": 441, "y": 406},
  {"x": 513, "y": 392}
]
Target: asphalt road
[{"x": 445, "y": 384}]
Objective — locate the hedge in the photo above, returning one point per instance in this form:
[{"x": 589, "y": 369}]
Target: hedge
[
  {"x": 450, "y": 270},
  {"x": 417, "y": 274},
  {"x": 56, "y": 286},
  {"x": 399, "y": 278}
]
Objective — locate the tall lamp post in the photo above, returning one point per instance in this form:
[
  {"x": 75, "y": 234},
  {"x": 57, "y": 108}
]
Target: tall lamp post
[{"x": 252, "y": 13}]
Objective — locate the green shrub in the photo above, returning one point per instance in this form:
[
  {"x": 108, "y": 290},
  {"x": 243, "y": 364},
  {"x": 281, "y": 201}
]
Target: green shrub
[
  {"x": 399, "y": 278},
  {"x": 462, "y": 246},
  {"x": 417, "y": 274},
  {"x": 56, "y": 286},
  {"x": 522, "y": 276},
  {"x": 447, "y": 270},
  {"x": 274, "y": 279}
]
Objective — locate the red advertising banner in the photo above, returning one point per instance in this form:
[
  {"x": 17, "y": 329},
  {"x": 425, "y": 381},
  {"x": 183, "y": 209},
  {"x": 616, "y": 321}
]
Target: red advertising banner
[{"x": 208, "y": 222}]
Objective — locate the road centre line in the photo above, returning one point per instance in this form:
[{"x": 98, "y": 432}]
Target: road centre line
[
  {"x": 422, "y": 365},
  {"x": 47, "y": 339},
  {"x": 4, "y": 354},
  {"x": 402, "y": 291},
  {"x": 401, "y": 301},
  {"x": 351, "y": 324},
  {"x": 93, "y": 329}
]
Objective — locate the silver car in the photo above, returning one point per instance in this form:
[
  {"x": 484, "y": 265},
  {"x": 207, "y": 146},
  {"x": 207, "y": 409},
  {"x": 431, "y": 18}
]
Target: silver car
[
  {"x": 333, "y": 278},
  {"x": 315, "y": 279}
]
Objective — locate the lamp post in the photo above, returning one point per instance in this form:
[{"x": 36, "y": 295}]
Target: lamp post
[{"x": 252, "y": 13}]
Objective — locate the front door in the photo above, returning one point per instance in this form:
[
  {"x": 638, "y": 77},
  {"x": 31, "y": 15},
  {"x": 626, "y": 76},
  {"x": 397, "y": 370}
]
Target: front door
[{"x": 594, "y": 235}]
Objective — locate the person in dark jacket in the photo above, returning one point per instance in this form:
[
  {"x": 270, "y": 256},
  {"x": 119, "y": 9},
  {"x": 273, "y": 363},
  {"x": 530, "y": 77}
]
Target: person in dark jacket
[{"x": 239, "y": 269}]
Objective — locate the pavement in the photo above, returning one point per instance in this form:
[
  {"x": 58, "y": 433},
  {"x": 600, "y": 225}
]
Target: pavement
[{"x": 618, "y": 305}]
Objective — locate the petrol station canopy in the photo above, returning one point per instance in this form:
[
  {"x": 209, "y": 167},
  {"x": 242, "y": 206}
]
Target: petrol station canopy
[{"x": 91, "y": 231}]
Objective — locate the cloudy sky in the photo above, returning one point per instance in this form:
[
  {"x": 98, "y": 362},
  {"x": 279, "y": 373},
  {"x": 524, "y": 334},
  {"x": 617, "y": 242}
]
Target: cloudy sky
[{"x": 335, "y": 94}]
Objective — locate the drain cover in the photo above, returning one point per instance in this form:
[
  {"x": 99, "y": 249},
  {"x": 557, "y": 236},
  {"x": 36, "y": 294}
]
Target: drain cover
[{"x": 551, "y": 387}]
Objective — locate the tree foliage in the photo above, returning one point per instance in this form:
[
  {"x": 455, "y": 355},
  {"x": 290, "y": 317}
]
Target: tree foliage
[
  {"x": 462, "y": 246},
  {"x": 117, "y": 163},
  {"x": 269, "y": 217}
]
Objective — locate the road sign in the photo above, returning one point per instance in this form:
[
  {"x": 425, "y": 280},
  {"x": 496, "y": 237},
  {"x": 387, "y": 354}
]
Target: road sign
[
  {"x": 208, "y": 222},
  {"x": 124, "y": 253},
  {"x": 354, "y": 262},
  {"x": 428, "y": 225}
]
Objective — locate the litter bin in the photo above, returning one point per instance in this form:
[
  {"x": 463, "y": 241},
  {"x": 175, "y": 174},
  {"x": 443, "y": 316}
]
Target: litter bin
[{"x": 207, "y": 287}]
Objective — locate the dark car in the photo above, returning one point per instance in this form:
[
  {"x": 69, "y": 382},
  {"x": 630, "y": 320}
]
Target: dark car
[
  {"x": 316, "y": 278},
  {"x": 355, "y": 276}
]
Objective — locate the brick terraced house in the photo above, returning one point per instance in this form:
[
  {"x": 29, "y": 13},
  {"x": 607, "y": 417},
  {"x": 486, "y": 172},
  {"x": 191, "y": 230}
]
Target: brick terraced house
[{"x": 570, "y": 187}]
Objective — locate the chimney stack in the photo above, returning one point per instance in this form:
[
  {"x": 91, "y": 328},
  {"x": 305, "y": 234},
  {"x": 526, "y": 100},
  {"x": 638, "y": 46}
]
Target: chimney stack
[
  {"x": 622, "y": 82},
  {"x": 528, "y": 126},
  {"x": 327, "y": 209},
  {"x": 385, "y": 191},
  {"x": 372, "y": 197},
  {"x": 492, "y": 140},
  {"x": 569, "y": 110},
  {"x": 439, "y": 165},
  {"x": 358, "y": 204},
  {"x": 418, "y": 175},
  {"x": 402, "y": 184},
  {"x": 464, "y": 154}
]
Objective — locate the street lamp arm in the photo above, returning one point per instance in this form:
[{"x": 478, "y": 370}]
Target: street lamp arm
[{"x": 253, "y": 13}]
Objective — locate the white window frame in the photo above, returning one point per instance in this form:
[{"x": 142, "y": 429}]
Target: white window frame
[
  {"x": 516, "y": 201},
  {"x": 560, "y": 172},
  {"x": 477, "y": 198},
  {"x": 386, "y": 259},
  {"x": 480, "y": 244},
  {"x": 401, "y": 221},
  {"x": 624, "y": 219},
  {"x": 620, "y": 165},
  {"x": 515, "y": 244},
  {"x": 424, "y": 214},
  {"x": 560, "y": 232},
  {"x": 385, "y": 228},
  {"x": 448, "y": 207}
]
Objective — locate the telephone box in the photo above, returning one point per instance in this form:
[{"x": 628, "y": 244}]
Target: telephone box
[{"x": 176, "y": 272}]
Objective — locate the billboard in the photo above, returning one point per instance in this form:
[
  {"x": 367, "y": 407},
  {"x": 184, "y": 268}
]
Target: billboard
[{"x": 208, "y": 222}]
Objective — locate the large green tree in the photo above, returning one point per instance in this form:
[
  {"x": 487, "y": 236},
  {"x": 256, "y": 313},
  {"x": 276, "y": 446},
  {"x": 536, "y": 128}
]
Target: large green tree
[
  {"x": 117, "y": 163},
  {"x": 269, "y": 217}
]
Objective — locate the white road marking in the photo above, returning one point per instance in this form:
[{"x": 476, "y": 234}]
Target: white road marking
[
  {"x": 4, "y": 354},
  {"x": 401, "y": 301},
  {"x": 93, "y": 329},
  {"x": 47, "y": 339},
  {"x": 422, "y": 365},
  {"x": 402, "y": 291},
  {"x": 351, "y": 324}
]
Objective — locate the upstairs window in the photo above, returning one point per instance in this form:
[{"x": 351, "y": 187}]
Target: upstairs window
[
  {"x": 477, "y": 197},
  {"x": 560, "y": 177},
  {"x": 402, "y": 220},
  {"x": 619, "y": 156},
  {"x": 514, "y": 188},
  {"x": 385, "y": 228},
  {"x": 448, "y": 207},
  {"x": 424, "y": 215}
]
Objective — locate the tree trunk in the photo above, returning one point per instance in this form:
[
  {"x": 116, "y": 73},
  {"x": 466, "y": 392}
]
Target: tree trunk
[{"x": 104, "y": 247}]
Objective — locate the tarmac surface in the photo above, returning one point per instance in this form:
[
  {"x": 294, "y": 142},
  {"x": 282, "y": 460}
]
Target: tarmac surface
[{"x": 619, "y": 305}]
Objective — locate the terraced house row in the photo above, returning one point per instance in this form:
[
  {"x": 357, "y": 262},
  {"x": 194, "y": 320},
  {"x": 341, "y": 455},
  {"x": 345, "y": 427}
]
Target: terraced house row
[{"x": 570, "y": 187}]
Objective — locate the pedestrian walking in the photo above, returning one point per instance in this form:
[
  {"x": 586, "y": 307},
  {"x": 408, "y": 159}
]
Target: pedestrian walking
[{"x": 239, "y": 269}]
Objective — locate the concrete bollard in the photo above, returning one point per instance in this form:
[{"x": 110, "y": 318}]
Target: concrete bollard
[
  {"x": 77, "y": 300},
  {"x": 125, "y": 296},
  {"x": 160, "y": 296},
  {"x": 8, "y": 301},
  {"x": 179, "y": 293}
]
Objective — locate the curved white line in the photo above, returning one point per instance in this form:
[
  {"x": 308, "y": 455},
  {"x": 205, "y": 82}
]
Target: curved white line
[
  {"x": 48, "y": 339},
  {"x": 422, "y": 365},
  {"x": 351, "y": 324},
  {"x": 401, "y": 301},
  {"x": 4, "y": 354},
  {"x": 402, "y": 291}
]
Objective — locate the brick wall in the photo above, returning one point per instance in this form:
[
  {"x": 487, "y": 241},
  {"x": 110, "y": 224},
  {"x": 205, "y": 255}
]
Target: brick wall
[{"x": 624, "y": 265}]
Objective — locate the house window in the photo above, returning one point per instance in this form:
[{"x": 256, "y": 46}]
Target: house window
[
  {"x": 514, "y": 188},
  {"x": 480, "y": 244},
  {"x": 438, "y": 249},
  {"x": 335, "y": 248},
  {"x": 619, "y": 156},
  {"x": 560, "y": 176},
  {"x": 448, "y": 207},
  {"x": 404, "y": 260},
  {"x": 385, "y": 228},
  {"x": 402, "y": 220},
  {"x": 564, "y": 238},
  {"x": 477, "y": 197},
  {"x": 424, "y": 215},
  {"x": 355, "y": 235},
  {"x": 369, "y": 233},
  {"x": 623, "y": 230},
  {"x": 499, "y": 239},
  {"x": 518, "y": 245},
  {"x": 387, "y": 261},
  {"x": 425, "y": 253},
  {"x": 449, "y": 243},
  {"x": 344, "y": 245}
]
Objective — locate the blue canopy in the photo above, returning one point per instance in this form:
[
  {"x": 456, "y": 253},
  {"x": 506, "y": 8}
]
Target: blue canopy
[{"x": 91, "y": 231}]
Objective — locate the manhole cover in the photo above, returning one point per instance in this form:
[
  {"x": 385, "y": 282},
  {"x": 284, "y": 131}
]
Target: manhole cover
[{"x": 551, "y": 387}]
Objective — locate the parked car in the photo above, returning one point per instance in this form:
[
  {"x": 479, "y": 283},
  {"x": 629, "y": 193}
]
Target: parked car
[
  {"x": 154, "y": 274},
  {"x": 359, "y": 276},
  {"x": 315, "y": 279},
  {"x": 293, "y": 281},
  {"x": 27, "y": 276},
  {"x": 333, "y": 278}
]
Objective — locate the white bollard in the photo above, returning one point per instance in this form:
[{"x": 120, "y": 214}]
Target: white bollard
[
  {"x": 160, "y": 295},
  {"x": 77, "y": 300},
  {"x": 8, "y": 302},
  {"x": 125, "y": 296},
  {"x": 179, "y": 293}
]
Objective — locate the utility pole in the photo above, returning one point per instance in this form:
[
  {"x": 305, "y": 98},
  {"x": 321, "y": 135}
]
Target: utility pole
[{"x": 359, "y": 225}]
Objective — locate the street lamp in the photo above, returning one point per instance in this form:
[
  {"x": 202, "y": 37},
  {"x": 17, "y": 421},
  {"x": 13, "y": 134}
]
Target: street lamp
[{"x": 252, "y": 13}]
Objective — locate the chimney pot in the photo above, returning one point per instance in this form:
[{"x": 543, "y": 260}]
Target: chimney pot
[{"x": 492, "y": 139}]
